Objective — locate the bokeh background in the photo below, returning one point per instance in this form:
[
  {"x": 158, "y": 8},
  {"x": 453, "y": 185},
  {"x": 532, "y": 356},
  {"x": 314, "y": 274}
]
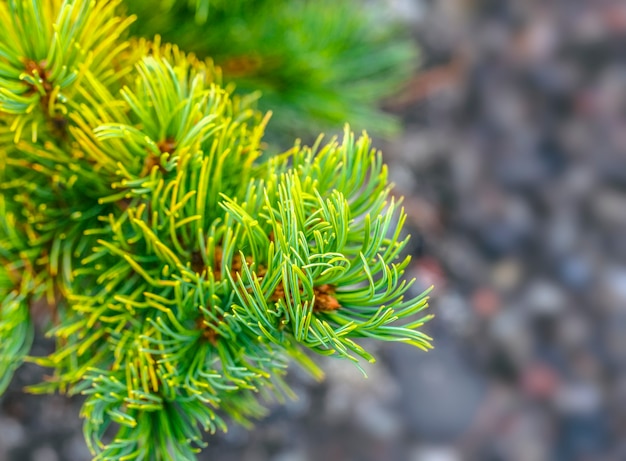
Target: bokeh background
[{"x": 513, "y": 164}]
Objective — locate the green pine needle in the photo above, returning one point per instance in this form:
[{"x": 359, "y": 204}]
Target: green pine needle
[{"x": 179, "y": 270}]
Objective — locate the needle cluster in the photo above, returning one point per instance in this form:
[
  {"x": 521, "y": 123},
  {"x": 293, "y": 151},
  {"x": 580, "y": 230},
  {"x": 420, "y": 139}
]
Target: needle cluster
[{"x": 178, "y": 270}]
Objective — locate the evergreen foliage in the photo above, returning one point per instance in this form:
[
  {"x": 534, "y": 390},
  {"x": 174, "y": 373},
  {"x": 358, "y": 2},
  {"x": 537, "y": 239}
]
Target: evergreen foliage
[
  {"x": 178, "y": 272},
  {"x": 318, "y": 63}
]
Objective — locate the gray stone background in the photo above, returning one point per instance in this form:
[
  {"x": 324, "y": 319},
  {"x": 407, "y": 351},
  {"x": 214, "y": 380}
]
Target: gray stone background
[{"x": 513, "y": 163}]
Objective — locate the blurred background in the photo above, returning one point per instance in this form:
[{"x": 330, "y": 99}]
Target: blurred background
[{"x": 512, "y": 159}]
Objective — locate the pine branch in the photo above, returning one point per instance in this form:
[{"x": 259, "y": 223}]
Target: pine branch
[{"x": 180, "y": 270}]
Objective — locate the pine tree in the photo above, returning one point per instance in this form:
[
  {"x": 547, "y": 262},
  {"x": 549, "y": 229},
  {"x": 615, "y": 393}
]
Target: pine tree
[{"x": 177, "y": 270}]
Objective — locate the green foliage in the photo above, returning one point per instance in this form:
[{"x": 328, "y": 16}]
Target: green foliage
[
  {"x": 178, "y": 271},
  {"x": 318, "y": 63}
]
